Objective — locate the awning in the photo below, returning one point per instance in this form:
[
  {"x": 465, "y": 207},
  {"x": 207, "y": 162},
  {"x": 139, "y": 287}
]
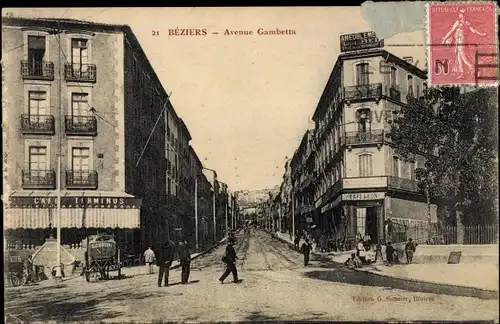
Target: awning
[{"x": 37, "y": 209}]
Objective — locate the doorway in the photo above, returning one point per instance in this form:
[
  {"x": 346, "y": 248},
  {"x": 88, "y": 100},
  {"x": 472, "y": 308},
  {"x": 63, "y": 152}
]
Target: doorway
[{"x": 371, "y": 223}]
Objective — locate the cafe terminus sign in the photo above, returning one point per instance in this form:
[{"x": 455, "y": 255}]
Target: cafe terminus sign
[
  {"x": 360, "y": 41},
  {"x": 74, "y": 202}
]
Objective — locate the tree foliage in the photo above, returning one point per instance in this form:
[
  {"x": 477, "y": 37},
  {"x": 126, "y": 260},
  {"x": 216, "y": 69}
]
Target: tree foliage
[{"x": 457, "y": 135}]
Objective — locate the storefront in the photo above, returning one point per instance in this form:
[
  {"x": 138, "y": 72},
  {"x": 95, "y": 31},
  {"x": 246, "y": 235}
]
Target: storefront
[{"x": 30, "y": 217}]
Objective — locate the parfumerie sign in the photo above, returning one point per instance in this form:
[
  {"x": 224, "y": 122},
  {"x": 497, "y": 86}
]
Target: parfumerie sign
[
  {"x": 75, "y": 202},
  {"x": 359, "y": 41}
]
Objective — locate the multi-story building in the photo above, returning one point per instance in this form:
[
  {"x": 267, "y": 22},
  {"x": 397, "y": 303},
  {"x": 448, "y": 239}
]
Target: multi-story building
[
  {"x": 362, "y": 182},
  {"x": 204, "y": 202},
  {"x": 285, "y": 198},
  {"x": 303, "y": 179},
  {"x": 87, "y": 92}
]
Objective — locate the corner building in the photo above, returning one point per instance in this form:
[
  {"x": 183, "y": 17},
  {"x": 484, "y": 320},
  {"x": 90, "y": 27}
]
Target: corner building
[
  {"x": 103, "y": 114},
  {"x": 361, "y": 182}
]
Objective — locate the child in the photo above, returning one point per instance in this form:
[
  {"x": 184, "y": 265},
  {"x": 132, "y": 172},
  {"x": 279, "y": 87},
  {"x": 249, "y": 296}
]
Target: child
[
  {"x": 353, "y": 262},
  {"x": 389, "y": 251}
]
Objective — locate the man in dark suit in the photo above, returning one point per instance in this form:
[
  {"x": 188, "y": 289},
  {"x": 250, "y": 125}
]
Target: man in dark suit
[
  {"x": 185, "y": 260},
  {"x": 165, "y": 259},
  {"x": 230, "y": 260}
]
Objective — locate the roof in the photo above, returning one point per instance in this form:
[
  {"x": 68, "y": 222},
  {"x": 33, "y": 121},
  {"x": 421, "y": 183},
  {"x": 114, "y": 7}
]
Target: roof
[{"x": 65, "y": 23}]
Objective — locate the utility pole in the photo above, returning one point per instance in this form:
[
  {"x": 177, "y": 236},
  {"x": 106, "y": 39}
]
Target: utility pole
[
  {"x": 58, "y": 180},
  {"x": 196, "y": 210},
  {"x": 227, "y": 230},
  {"x": 215, "y": 219},
  {"x": 293, "y": 212}
]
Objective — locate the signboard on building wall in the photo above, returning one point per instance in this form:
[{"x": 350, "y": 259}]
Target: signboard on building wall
[
  {"x": 74, "y": 202},
  {"x": 360, "y": 41},
  {"x": 364, "y": 196}
]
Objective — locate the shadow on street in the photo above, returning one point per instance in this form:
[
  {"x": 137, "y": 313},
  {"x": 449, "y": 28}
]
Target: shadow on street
[{"x": 339, "y": 273}]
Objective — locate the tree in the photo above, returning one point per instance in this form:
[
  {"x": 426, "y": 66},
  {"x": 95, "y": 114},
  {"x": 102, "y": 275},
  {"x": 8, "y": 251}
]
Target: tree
[{"x": 457, "y": 135}]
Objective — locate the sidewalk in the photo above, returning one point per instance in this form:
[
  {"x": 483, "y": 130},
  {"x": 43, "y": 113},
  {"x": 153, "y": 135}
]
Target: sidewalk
[{"x": 471, "y": 275}]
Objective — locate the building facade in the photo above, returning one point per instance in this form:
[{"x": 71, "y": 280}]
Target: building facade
[
  {"x": 64, "y": 96},
  {"x": 303, "y": 179},
  {"x": 87, "y": 92},
  {"x": 361, "y": 180},
  {"x": 286, "y": 199}
]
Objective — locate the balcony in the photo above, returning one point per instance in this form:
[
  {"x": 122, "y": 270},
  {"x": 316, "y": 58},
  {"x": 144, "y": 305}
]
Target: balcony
[
  {"x": 39, "y": 179},
  {"x": 87, "y": 179},
  {"x": 80, "y": 72},
  {"x": 402, "y": 184},
  {"x": 37, "y": 70},
  {"x": 371, "y": 91},
  {"x": 37, "y": 124},
  {"x": 357, "y": 138},
  {"x": 81, "y": 125},
  {"x": 394, "y": 94}
]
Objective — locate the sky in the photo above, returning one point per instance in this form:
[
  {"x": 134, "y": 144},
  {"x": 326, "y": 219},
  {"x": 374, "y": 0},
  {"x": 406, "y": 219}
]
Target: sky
[{"x": 246, "y": 100}]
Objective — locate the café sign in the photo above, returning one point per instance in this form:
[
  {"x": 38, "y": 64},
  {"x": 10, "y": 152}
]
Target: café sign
[
  {"x": 360, "y": 41},
  {"x": 364, "y": 196},
  {"x": 74, "y": 202}
]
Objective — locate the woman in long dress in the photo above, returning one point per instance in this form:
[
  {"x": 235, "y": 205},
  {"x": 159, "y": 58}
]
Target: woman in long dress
[{"x": 463, "y": 61}]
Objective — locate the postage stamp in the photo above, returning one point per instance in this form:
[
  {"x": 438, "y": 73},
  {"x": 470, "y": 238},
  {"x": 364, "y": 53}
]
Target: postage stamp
[{"x": 462, "y": 43}]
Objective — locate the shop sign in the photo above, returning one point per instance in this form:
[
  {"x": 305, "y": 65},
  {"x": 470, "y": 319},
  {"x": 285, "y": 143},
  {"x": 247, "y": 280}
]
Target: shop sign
[
  {"x": 360, "y": 41},
  {"x": 364, "y": 196},
  {"x": 74, "y": 202}
]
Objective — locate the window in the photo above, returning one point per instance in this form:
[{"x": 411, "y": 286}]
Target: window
[
  {"x": 79, "y": 104},
  {"x": 361, "y": 221},
  {"x": 37, "y": 158},
  {"x": 79, "y": 54},
  {"x": 395, "y": 166},
  {"x": 80, "y": 164},
  {"x": 412, "y": 170},
  {"x": 37, "y": 104},
  {"x": 410, "y": 86},
  {"x": 364, "y": 120},
  {"x": 392, "y": 76},
  {"x": 36, "y": 52},
  {"x": 365, "y": 165},
  {"x": 362, "y": 74}
]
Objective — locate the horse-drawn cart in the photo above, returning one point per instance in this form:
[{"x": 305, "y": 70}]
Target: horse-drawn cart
[
  {"x": 15, "y": 273},
  {"x": 101, "y": 257}
]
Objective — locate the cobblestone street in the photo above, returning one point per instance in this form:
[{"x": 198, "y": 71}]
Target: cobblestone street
[{"x": 275, "y": 285}]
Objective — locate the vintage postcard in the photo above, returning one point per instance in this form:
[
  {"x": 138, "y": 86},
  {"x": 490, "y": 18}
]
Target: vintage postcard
[{"x": 250, "y": 164}]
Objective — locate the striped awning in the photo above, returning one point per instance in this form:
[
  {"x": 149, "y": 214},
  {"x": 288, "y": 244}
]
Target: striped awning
[{"x": 34, "y": 209}]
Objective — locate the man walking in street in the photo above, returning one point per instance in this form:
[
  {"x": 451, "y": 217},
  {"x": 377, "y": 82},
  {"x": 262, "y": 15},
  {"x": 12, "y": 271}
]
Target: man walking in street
[
  {"x": 230, "y": 259},
  {"x": 306, "y": 251},
  {"x": 185, "y": 261},
  {"x": 165, "y": 261},
  {"x": 149, "y": 259}
]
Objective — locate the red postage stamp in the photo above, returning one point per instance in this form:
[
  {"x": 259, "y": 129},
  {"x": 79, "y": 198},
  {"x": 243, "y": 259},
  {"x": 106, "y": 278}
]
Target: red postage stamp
[{"x": 462, "y": 39}]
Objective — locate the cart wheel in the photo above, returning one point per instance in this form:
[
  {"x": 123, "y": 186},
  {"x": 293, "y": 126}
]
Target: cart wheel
[{"x": 14, "y": 280}]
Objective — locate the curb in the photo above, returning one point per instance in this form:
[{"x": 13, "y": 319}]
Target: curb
[
  {"x": 481, "y": 290},
  {"x": 202, "y": 253}
]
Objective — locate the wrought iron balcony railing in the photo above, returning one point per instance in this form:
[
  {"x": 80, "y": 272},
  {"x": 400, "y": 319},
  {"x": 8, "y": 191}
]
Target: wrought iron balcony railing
[
  {"x": 360, "y": 92},
  {"x": 37, "y": 124},
  {"x": 81, "y": 72},
  {"x": 371, "y": 137},
  {"x": 77, "y": 179},
  {"x": 81, "y": 125},
  {"x": 39, "y": 179},
  {"x": 402, "y": 184},
  {"x": 37, "y": 70}
]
